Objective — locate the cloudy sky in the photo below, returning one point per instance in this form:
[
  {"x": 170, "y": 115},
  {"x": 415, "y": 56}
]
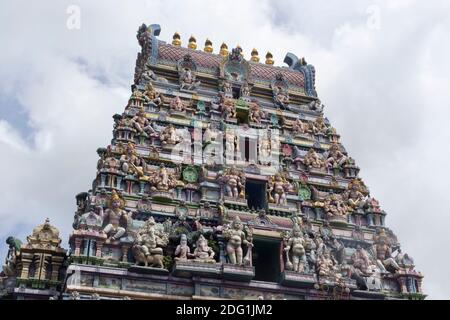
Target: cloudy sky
[{"x": 382, "y": 71}]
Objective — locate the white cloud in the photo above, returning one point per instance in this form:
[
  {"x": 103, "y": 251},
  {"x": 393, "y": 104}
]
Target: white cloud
[{"x": 386, "y": 90}]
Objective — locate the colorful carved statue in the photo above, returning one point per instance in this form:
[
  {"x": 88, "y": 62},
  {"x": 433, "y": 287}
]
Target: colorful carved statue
[
  {"x": 152, "y": 97},
  {"x": 255, "y": 112},
  {"x": 312, "y": 160},
  {"x": 335, "y": 158},
  {"x": 334, "y": 206},
  {"x": 142, "y": 124},
  {"x": 356, "y": 194},
  {"x": 148, "y": 245},
  {"x": 188, "y": 80},
  {"x": 236, "y": 237},
  {"x": 176, "y": 104},
  {"x": 277, "y": 188},
  {"x": 163, "y": 180},
  {"x": 281, "y": 96},
  {"x": 182, "y": 251},
  {"x": 113, "y": 215},
  {"x": 203, "y": 252},
  {"x": 382, "y": 248},
  {"x": 245, "y": 90},
  {"x": 318, "y": 127},
  {"x": 299, "y": 127},
  {"x": 170, "y": 136},
  {"x": 132, "y": 162},
  {"x": 325, "y": 265},
  {"x": 91, "y": 220},
  {"x": 361, "y": 262},
  {"x": 234, "y": 183},
  {"x": 228, "y": 107},
  {"x": 10, "y": 265},
  {"x": 227, "y": 89},
  {"x": 294, "y": 248},
  {"x": 264, "y": 150}
]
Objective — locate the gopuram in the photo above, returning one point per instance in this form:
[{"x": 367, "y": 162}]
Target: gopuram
[{"x": 223, "y": 180}]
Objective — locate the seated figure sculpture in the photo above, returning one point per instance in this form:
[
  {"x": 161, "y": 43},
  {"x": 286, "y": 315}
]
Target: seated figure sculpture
[
  {"x": 113, "y": 216},
  {"x": 182, "y": 251},
  {"x": 203, "y": 252}
]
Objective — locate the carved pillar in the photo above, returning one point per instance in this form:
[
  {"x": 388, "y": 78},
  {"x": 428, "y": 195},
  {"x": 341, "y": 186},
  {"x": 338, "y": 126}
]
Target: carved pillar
[
  {"x": 26, "y": 261},
  {"x": 102, "y": 180},
  {"x": 78, "y": 242},
  {"x": 56, "y": 266},
  {"x": 125, "y": 249},
  {"x": 98, "y": 251},
  {"x": 142, "y": 188},
  {"x": 119, "y": 181}
]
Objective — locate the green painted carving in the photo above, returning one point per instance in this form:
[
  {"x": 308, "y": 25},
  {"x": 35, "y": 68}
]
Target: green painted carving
[{"x": 190, "y": 174}]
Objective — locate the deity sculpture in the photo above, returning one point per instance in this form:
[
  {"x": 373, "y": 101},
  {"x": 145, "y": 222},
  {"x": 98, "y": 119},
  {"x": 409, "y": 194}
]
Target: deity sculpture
[
  {"x": 163, "y": 180},
  {"x": 255, "y": 112},
  {"x": 176, "y": 104},
  {"x": 227, "y": 89},
  {"x": 294, "y": 248},
  {"x": 151, "y": 96},
  {"x": 113, "y": 215},
  {"x": 170, "y": 136},
  {"x": 335, "y": 158},
  {"x": 132, "y": 162},
  {"x": 182, "y": 251},
  {"x": 361, "y": 262},
  {"x": 91, "y": 220},
  {"x": 236, "y": 237},
  {"x": 299, "y": 127},
  {"x": 211, "y": 134},
  {"x": 149, "y": 243},
  {"x": 281, "y": 96},
  {"x": 264, "y": 150},
  {"x": 356, "y": 194},
  {"x": 234, "y": 183},
  {"x": 334, "y": 206},
  {"x": 312, "y": 160},
  {"x": 325, "y": 265},
  {"x": 382, "y": 248},
  {"x": 203, "y": 252},
  {"x": 188, "y": 80},
  {"x": 318, "y": 126},
  {"x": 228, "y": 107},
  {"x": 10, "y": 265},
  {"x": 231, "y": 144},
  {"x": 277, "y": 188},
  {"x": 143, "y": 125},
  {"x": 245, "y": 90},
  {"x": 316, "y": 105},
  {"x": 149, "y": 75}
]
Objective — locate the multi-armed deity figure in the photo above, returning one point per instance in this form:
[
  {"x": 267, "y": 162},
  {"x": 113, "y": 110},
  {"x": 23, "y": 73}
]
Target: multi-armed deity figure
[
  {"x": 169, "y": 136},
  {"x": 255, "y": 112},
  {"x": 143, "y": 125},
  {"x": 281, "y": 96},
  {"x": 294, "y": 248},
  {"x": 113, "y": 215},
  {"x": 318, "y": 126},
  {"x": 234, "y": 183},
  {"x": 132, "y": 162},
  {"x": 335, "y": 158},
  {"x": 299, "y": 127},
  {"x": 163, "y": 180},
  {"x": 334, "y": 206},
  {"x": 188, "y": 80},
  {"x": 236, "y": 237},
  {"x": 152, "y": 97},
  {"x": 356, "y": 194},
  {"x": 312, "y": 160},
  {"x": 203, "y": 252},
  {"x": 227, "y": 106},
  {"x": 149, "y": 243},
  {"x": 277, "y": 188},
  {"x": 176, "y": 104}
]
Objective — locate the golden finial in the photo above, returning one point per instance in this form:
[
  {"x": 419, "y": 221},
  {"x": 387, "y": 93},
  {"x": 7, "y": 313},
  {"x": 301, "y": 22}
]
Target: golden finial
[
  {"x": 192, "y": 43},
  {"x": 208, "y": 46},
  {"x": 176, "y": 39},
  {"x": 254, "y": 54},
  {"x": 269, "y": 58},
  {"x": 224, "y": 50}
]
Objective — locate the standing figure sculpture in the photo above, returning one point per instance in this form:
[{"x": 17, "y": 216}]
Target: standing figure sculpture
[
  {"x": 236, "y": 237},
  {"x": 382, "y": 248},
  {"x": 10, "y": 265},
  {"x": 294, "y": 248},
  {"x": 234, "y": 183},
  {"x": 277, "y": 189}
]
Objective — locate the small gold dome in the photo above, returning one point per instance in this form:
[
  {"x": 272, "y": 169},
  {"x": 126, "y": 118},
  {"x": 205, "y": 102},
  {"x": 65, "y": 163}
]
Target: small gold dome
[
  {"x": 224, "y": 50},
  {"x": 192, "y": 43},
  {"x": 176, "y": 39},
  {"x": 254, "y": 54},
  {"x": 208, "y": 46},
  {"x": 269, "y": 59}
]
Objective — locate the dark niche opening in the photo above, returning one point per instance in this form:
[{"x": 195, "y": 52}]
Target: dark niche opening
[
  {"x": 266, "y": 260},
  {"x": 256, "y": 194}
]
